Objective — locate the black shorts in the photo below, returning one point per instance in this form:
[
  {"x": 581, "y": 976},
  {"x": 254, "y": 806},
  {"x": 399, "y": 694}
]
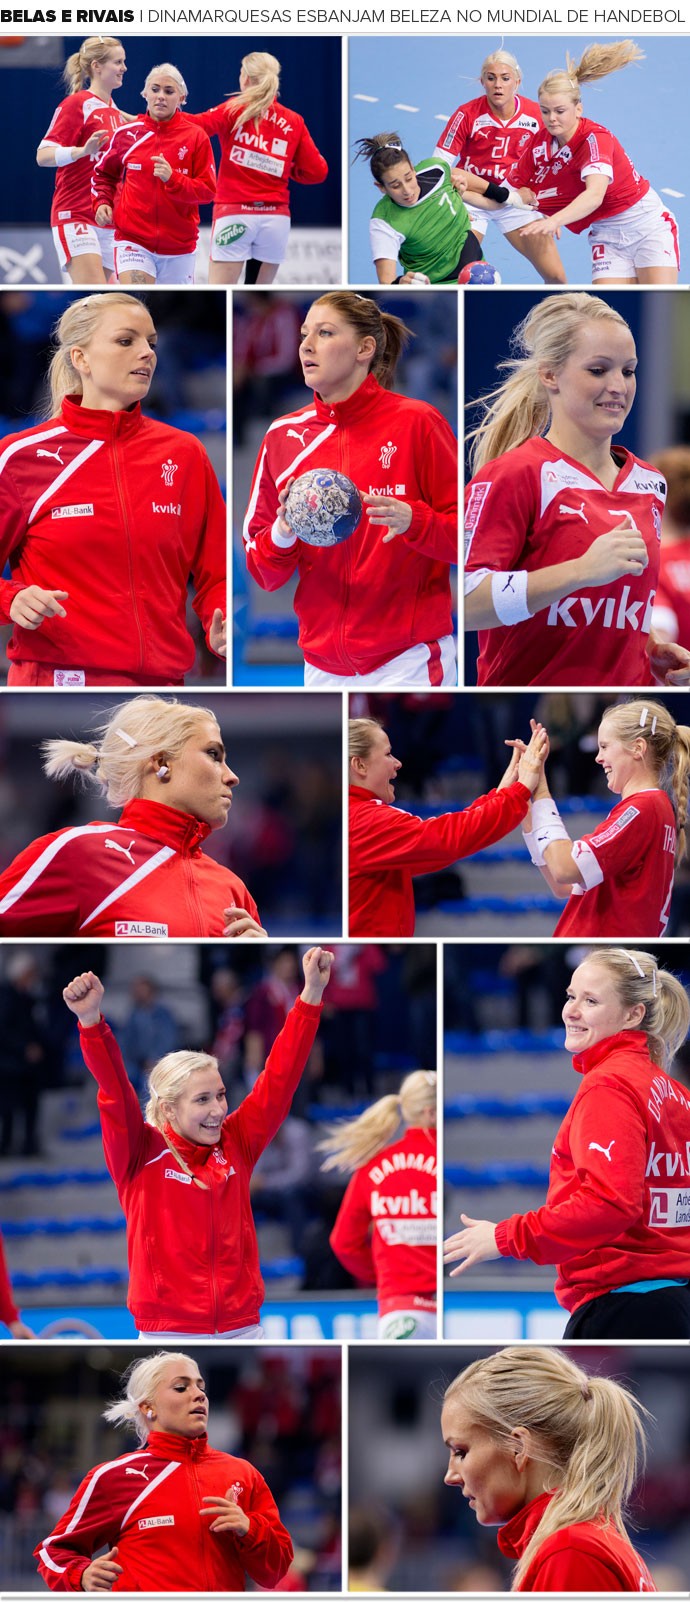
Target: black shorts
[
  {"x": 471, "y": 251},
  {"x": 661, "y": 1315}
]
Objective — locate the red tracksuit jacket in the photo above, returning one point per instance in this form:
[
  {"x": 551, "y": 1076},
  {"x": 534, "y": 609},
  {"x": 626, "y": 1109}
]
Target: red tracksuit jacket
[
  {"x": 120, "y": 511},
  {"x": 581, "y": 1557},
  {"x": 386, "y": 1226},
  {"x": 148, "y": 1503},
  {"x": 144, "y": 876},
  {"x": 193, "y": 1255},
  {"x": 257, "y": 163},
  {"x": 361, "y": 603},
  {"x": 163, "y": 217},
  {"x": 388, "y": 847},
  {"x": 9, "y": 1313},
  {"x": 618, "y": 1203}
]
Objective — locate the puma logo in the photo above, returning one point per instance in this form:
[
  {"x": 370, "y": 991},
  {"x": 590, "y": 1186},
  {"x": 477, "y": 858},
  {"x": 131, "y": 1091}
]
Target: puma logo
[
  {"x": 114, "y": 845},
  {"x": 292, "y": 433},
  {"x": 55, "y": 455},
  {"x": 605, "y": 1149},
  {"x": 141, "y": 1472},
  {"x": 574, "y": 511}
]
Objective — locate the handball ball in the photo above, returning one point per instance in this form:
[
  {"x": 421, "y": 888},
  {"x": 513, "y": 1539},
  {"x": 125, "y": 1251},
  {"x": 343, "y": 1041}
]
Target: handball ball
[
  {"x": 479, "y": 272},
  {"x": 323, "y": 507}
]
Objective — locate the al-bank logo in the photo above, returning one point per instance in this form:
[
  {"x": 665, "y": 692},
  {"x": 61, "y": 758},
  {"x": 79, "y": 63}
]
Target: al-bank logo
[{"x": 226, "y": 236}]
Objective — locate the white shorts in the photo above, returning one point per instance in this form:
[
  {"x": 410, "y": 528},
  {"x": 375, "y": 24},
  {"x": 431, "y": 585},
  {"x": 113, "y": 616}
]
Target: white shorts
[
  {"x": 406, "y": 1324},
  {"x": 251, "y": 1332},
  {"x": 507, "y": 219},
  {"x": 130, "y": 258},
  {"x": 238, "y": 238},
  {"x": 421, "y": 665},
  {"x": 646, "y": 235},
  {"x": 83, "y": 239}
]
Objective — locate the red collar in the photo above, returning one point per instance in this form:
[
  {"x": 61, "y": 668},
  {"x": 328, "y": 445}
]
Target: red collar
[
  {"x": 516, "y": 1535},
  {"x": 628, "y": 1040},
  {"x": 176, "y": 1447},
  {"x": 359, "y": 793},
  {"x": 97, "y": 423},
  {"x": 196, "y": 1156},
  {"x": 166, "y": 825},
  {"x": 355, "y": 407}
]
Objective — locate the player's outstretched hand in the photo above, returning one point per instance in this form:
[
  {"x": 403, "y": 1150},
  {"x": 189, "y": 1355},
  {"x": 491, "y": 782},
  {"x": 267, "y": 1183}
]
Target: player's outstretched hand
[
  {"x": 623, "y": 550},
  {"x": 102, "y": 1573},
  {"x": 218, "y": 634},
  {"x": 21, "y": 1332},
  {"x": 317, "y": 965},
  {"x": 531, "y": 762},
  {"x": 670, "y": 662},
  {"x": 228, "y": 1517},
  {"x": 476, "y": 1243},
  {"x": 95, "y": 142},
  {"x": 84, "y": 996},
  {"x": 395, "y": 515},
  {"x": 241, "y": 924},
  {"x": 31, "y": 607}
]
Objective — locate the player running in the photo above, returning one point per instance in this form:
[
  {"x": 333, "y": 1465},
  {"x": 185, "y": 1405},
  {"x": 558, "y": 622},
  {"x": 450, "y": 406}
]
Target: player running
[
  {"x": 562, "y": 526},
  {"x": 386, "y": 1232},
  {"x": 175, "y": 1513},
  {"x": 145, "y": 876},
  {"x": 150, "y": 181},
  {"x": 615, "y": 1219},
  {"x": 422, "y": 220},
  {"x": 376, "y": 609},
  {"x": 106, "y": 515},
  {"x": 618, "y": 880},
  {"x": 483, "y": 139},
  {"x": 83, "y": 123},
  {"x": 551, "y": 1453},
  {"x": 388, "y": 846},
  {"x": 579, "y": 175},
  {"x": 183, "y": 1174},
  {"x": 264, "y": 146}
]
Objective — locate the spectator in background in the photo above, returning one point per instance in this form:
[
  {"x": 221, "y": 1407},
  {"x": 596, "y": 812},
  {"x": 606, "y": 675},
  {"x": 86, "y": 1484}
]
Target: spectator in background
[
  {"x": 349, "y": 1024},
  {"x": 265, "y": 363},
  {"x": 149, "y": 1032},
  {"x": 227, "y": 996},
  {"x": 281, "y": 1184},
  {"x": 29, "y": 1057},
  {"x": 671, "y": 615},
  {"x": 267, "y": 1007},
  {"x": 373, "y": 1542}
]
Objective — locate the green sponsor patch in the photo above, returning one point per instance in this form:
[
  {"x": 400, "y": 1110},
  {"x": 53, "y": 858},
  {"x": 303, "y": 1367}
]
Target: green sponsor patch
[{"x": 227, "y": 236}]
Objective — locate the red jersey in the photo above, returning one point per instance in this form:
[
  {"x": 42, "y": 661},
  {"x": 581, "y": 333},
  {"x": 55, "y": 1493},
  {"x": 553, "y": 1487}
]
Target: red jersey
[
  {"x": 148, "y": 1503},
  {"x": 388, "y": 847},
  {"x": 476, "y": 139},
  {"x": 556, "y": 173},
  {"x": 618, "y": 1204},
  {"x": 192, "y": 1248},
  {"x": 121, "y": 512},
  {"x": 386, "y": 1228},
  {"x": 163, "y": 217},
  {"x": 627, "y": 864},
  {"x": 582, "y": 1557},
  {"x": 532, "y": 508},
  {"x": 362, "y": 602},
  {"x": 75, "y": 119},
  {"x": 673, "y": 592},
  {"x": 9, "y": 1312},
  {"x": 258, "y": 160},
  {"x": 145, "y": 876}
]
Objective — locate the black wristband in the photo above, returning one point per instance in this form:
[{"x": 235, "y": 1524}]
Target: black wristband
[{"x": 499, "y": 192}]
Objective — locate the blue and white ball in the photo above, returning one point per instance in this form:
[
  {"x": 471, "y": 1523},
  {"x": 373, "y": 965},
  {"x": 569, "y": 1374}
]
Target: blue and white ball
[
  {"x": 479, "y": 272},
  {"x": 323, "y": 507}
]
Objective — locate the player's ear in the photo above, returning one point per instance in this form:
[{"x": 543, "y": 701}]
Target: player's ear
[
  {"x": 549, "y": 378},
  {"x": 367, "y": 348},
  {"x": 377, "y": 185},
  {"x": 78, "y": 359}
]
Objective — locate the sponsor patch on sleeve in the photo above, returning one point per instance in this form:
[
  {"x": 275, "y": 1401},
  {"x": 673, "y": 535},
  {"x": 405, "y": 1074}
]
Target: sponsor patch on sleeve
[
  {"x": 615, "y": 828},
  {"x": 473, "y": 512}
]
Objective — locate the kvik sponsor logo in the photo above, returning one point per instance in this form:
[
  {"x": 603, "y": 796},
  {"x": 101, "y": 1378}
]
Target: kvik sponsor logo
[
  {"x": 413, "y": 1206},
  {"x": 668, "y": 1164},
  {"x": 386, "y": 489},
  {"x": 612, "y": 611},
  {"x": 173, "y": 507}
]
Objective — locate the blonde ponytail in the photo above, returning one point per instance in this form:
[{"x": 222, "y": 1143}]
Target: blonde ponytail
[
  {"x": 639, "y": 981},
  {"x": 668, "y": 746},
  {"x": 518, "y": 408},
  {"x": 587, "y": 1431},
  {"x": 263, "y": 72},
  {"x": 136, "y": 731},
  {"x": 598, "y": 61},
  {"x": 353, "y": 1143},
  {"x": 78, "y": 69}
]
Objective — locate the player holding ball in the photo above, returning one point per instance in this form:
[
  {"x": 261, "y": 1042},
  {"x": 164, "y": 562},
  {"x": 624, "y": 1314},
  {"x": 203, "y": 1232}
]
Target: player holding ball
[{"x": 375, "y": 608}]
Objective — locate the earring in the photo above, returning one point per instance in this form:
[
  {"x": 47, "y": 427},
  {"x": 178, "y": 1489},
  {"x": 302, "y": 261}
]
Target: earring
[
  {"x": 149, "y": 1412},
  {"x": 162, "y": 771}
]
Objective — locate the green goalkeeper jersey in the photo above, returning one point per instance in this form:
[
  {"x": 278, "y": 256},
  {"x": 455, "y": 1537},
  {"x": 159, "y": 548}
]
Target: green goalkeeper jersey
[{"x": 427, "y": 237}]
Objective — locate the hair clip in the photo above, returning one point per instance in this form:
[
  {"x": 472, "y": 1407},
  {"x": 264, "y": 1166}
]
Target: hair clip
[{"x": 122, "y": 735}]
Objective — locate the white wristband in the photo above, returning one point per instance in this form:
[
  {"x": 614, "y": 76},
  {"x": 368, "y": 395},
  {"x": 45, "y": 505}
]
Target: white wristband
[
  {"x": 509, "y": 596},
  {"x": 63, "y": 155},
  {"x": 532, "y": 847},
  {"x": 547, "y": 825},
  {"x": 285, "y": 541}
]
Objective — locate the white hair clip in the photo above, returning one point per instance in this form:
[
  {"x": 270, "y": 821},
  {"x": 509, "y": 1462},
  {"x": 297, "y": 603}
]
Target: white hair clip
[
  {"x": 643, "y": 716},
  {"x": 636, "y": 964},
  {"x": 653, "y": 727},
  {"x": 122, "y": 735}
]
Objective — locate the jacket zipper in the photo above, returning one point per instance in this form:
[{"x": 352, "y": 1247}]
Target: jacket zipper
[
  {"x": 213, "y": 1192},
  {"x": 130, "y": 555},
  {"x": 196, "y": 904},
  {"x": 203, "y": 1525}
]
